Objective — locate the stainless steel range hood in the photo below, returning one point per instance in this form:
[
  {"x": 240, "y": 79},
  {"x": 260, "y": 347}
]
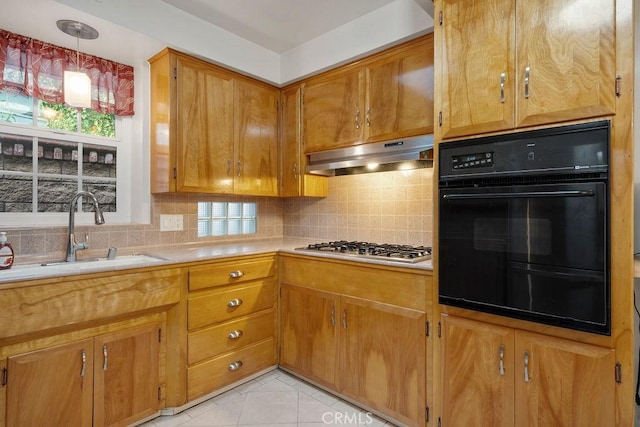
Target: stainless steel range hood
[{"x": 410, "y": 153}]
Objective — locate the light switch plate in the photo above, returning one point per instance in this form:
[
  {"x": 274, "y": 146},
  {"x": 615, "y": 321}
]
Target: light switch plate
[{"x": 170, "y": 222}]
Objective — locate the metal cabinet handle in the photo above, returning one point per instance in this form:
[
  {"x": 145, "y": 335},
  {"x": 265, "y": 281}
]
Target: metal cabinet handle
[
  {"x": 501, "y": 368},
  {"x": 83, "y": 370},
  {"x": 239, "y": 167},
  {"x": 527, "y": 378},
  {"x": 228, "y": 167},
  {"x": 344, "y": 318},
  {"x": 235, "y": 365},
  {"x": 368, "y": 119},
  {"x": 235, "y": 274},
  {"x": 234, "y": 302},
  {"x": 333, "y": 316},
  {"x": 233, "y": 335},
  {"x": 105, "y": 357},
  {"x": 503, "y": 79},
  {"x": 295, "y": 170},
  {"x": 527, "y": 72},
  {"x": 358, "y": 118}
]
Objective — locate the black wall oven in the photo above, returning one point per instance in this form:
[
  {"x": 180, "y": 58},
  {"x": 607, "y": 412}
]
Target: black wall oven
[{"x": 524, "y": 226}]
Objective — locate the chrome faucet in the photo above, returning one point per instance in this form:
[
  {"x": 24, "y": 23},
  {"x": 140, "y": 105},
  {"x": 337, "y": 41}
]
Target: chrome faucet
[{"x": 72, "y": 245}]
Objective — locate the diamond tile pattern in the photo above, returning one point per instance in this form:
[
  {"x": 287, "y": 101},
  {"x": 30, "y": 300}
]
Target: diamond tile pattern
[{"x": 275, "y": 399}]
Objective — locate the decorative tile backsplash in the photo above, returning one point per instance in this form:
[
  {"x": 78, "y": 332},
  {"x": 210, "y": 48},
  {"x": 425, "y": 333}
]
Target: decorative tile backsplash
[
  {"x": 389, "y": 207},
  {"x": 384, "y": 207}
]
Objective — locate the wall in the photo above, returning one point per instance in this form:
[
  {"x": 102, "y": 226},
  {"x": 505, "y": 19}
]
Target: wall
[
  {"x": 385, "y": 207},
  {"x": 50, "y": 242}
]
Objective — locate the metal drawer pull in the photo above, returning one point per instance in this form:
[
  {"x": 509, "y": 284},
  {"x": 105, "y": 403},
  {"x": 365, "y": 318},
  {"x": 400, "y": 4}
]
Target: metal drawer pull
[
  {"x": 358, "y": 119},
  {"x": 83, "y": 371},
  {"x": 526, "y": 367},
  {"x": 344, "y": 318},
  {"x": 368, "y": 116},
  {"x": 236, "y": 273},
  {"x": 105, "y": 357},
  {"x": 235, "y": 334},
  {"x": 235, "y": 365},
  {"x": 234, "y": 302},
  {"x": 527, "y": 72},
  {"x": 503, "y": 79},
  {"x": 333, "y": 316},
  {"x": 501, "y": 359}
]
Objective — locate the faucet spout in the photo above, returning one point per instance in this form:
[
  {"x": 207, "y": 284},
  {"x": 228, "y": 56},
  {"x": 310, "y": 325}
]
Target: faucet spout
[{"x": 72, "y": 244}]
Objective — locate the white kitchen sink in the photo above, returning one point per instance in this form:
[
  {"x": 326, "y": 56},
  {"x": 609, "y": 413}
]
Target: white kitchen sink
[{"x": 34, "y": 271}]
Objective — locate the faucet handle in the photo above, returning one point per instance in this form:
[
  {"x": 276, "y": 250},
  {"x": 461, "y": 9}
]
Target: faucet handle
[{"x": 85, "y": 244}]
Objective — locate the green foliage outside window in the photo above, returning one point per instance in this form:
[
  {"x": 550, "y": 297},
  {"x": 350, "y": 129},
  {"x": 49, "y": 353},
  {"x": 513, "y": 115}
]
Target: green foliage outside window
[{"x": 93, "y": 122}]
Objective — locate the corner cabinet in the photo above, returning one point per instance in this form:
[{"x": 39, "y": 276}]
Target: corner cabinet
[
  {"x": 212, "y": 130},
  {"x": 507, "y": 64},
  {"x": 499, "y": 376},
  {"x": 359, "y": 331},
  {"x": 295, "y": 182},
  {"x": 386, "y": 96}
]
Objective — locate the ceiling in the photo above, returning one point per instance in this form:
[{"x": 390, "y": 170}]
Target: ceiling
[{"x": 278, "y": 25}]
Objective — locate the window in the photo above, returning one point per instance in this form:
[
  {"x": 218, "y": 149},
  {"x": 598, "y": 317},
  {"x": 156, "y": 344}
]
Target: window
[
  {"x": 49, "y": 152},
  {"x": 226, "y": 218}
]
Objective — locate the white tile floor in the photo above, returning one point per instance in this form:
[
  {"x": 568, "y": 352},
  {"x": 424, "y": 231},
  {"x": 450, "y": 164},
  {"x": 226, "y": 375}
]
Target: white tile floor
[{"x": 275, "y": 399}]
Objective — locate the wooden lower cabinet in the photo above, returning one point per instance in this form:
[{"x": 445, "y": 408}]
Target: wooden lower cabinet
[
  {"x": 309, "y": 333},
  {"x": 366, "y": 350},
  {"x": 230, "y": 323},
  {"x": 499, "y": 376},
  {"x": 382, "y": 357},
  {"x": 110, "y": 380}
]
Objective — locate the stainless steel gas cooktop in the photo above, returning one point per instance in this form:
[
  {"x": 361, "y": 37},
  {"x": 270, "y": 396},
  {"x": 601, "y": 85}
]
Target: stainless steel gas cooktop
[{"x": 399, "y": 253}]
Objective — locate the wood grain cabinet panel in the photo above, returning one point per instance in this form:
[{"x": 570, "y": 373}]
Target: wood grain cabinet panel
[
  {"x": 228, "y": 304},
  {"x": 508, "y": 64},
  {"x": 498, "y": 376},
  {"x": 53, "y": 386}
]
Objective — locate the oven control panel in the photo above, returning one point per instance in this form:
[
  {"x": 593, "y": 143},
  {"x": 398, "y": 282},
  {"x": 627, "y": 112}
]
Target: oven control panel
[{"x": 477, "y": 160}]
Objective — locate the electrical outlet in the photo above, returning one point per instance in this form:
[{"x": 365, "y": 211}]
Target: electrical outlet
[{"x": 170, "y": 222}]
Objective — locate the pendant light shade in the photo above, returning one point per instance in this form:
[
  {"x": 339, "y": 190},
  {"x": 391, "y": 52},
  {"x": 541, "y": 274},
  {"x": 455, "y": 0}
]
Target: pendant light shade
[{"x": 77, "y": 84}]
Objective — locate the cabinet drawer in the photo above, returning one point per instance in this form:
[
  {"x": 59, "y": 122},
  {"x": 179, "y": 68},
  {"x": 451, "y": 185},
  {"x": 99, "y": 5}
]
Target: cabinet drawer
[
  {"x": 215, "y": 373},
  {"x": 216, "y": 340},
  {"x": 225, "y": 273},
  {"x": 226, "y": 305}
]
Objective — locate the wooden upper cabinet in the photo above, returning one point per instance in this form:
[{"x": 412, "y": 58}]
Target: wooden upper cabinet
[
  {"x": 507, "y": 64},
  {"x": 400, "y": 93},
  {"x": 386, "y": 96},
  {"x": 212, "y": 130},
  {"x": 204, "y": 143},
  {"x": 569, "y": 49},
  {"x": 256, "y": 139},
  {"x": 333, "y": 110}
]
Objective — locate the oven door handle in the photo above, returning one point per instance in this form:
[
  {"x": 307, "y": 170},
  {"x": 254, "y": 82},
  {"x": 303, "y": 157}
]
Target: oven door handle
[{"x": 522, "y": 195}]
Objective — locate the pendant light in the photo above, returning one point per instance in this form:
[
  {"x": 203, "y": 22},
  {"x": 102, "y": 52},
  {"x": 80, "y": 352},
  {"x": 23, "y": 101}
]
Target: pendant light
[{"x": 77, "y": 84}]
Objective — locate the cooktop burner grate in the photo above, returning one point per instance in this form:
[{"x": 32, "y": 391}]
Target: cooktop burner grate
[{"x": 391, "y": 252}]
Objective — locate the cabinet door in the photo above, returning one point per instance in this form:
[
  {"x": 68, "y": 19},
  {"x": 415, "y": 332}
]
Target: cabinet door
[
  {"x": 126, "y": 376},
  {"x": 569, "y": 49},
  {"x": 51, "y": 387},
  {"x": 256, "y": 139},
  {"x": 477, "y": 67},
  {"x": 565, "y": 383},
  {"x": 291, "y": 147},
  {"x": 309, "y": 333},
  {"x": 333, "y": 113},
  {"x": 382, "y": 357},
  {"x": 400, "y": 94},
  {"x": 204, "y": 106},
  {"x": 476, "y": 391}
]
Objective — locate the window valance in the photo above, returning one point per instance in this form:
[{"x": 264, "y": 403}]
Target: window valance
[{"x": 36, "y": 68}]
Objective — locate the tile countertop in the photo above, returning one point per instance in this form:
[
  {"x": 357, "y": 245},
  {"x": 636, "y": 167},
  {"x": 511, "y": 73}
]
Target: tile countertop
[{"x": 33, "y": 268}]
